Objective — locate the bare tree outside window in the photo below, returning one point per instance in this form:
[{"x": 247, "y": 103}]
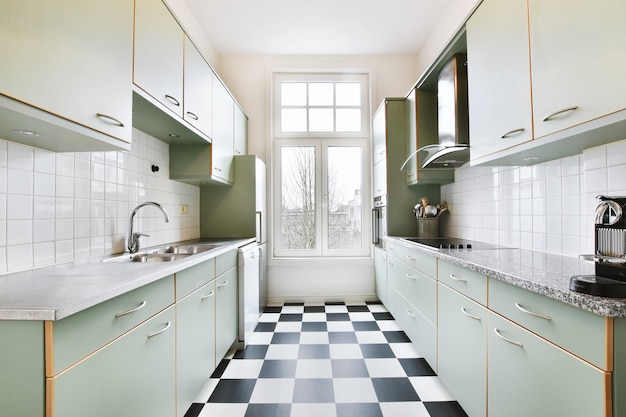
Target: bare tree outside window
[
  {"x": 298, "y": 197},
  {"x": 344, "y": 198}
]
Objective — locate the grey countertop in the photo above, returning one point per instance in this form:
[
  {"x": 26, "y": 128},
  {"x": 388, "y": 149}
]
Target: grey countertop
[
  {"x": 55, "y": 292},
  {"x": 539, "y": 272}
]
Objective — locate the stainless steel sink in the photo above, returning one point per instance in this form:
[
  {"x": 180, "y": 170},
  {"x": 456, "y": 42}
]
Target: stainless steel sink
[{"x": 169, "y": 253}]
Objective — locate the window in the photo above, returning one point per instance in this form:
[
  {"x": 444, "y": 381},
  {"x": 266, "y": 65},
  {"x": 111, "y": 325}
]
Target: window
[{"x": 321, "y": 169}]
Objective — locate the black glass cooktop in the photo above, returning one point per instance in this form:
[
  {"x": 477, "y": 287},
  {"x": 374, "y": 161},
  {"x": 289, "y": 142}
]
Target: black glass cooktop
[{"x": 454, "y": 243}]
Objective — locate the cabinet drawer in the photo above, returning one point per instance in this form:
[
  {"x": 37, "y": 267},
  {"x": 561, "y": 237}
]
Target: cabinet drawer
[
  {"x": 224, "y": 262},
  {"x": 76, "y": 336},
  {"x": 193, "y": 278},
  {"x": 580, "y": 332},
  {"x": 421, "y": 332},
  {"x": 424, "y": 263},
  {"x": 469, "y": 283},
  {"x": 418, "y": 289}
]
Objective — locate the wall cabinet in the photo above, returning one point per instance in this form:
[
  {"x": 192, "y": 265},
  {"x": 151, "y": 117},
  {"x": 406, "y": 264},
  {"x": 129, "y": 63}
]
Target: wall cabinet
[
  {"x": 241, "y": 132},
  {"x": 222, "y": 147},
  {"x": 198, "y": 90},
  {"x": 65, "y": 71}
]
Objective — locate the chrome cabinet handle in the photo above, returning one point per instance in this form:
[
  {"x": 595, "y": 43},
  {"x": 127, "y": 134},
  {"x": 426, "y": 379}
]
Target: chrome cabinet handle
[
  {"x": 172, "y": 100},
  {"x": 158, "y": 332},
  {"x": 512, "y": 133},
  {"x": 411, "y": 276},
  {"x": 237, "y": 152},
  {"x": 532, "y": 313},
  {"x": 124, "y": 313},
  {"x": 511, "y": 341},
  {"x": 209, "y": 295},
  {"x": 411, "y": 314},
  {"x": 464, "y": 311},
  {"x": 217, "y": 169},
  {"x": 556, "y": 113},
  {"x": 410, "y": 258},
  {"x": 223, "y": 284},
  {"x": 192, "y": 115},
  {"x": 452, "y": 276},
  {"x": 110, "y": 119}
]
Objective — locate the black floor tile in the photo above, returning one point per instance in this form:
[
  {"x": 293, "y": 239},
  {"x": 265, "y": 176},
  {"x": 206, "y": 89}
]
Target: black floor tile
[
  {"x": 314, "y": 352},
  {"x": 396, "y": 337},
  {"x": 314, "y": 309},
  {"x": 362, "y": 326},
  {"x": 286, "y": 338},
  {"x": 335, "y": 303},
  {"x": 194, "y": 410},
  {"x": 416, "y": 367},
  {"x": 349, "y": 368},
  {"x": 265, "y": 327},
  {"x": 337, "y": 317},
  {"x": 278, "y": 369},
  {"x": 252, "y": 352},
  {"x": 394, "y": 389},
  {"x": 341, "y": 337},
  {"x": 290, "y": 317},
  {"x": 358, "y": 309},
  {"x": 377, "y": 351},
  {"x": 314, "y": 326},
  {"x": 294, "y": 304},
  {"x": 314, "y": 391},
  {"x": 219, "y": 370},
  {"x": 359, "y": 410},
  {"x": 233, "y": 391},
  {"x": 383, "y": 316},
  {"x": 444, "y": 409},
  {"x": 273, "y": 309},
  {"x": 374, "y": 302},
  {"x": 268, "y": 410}
]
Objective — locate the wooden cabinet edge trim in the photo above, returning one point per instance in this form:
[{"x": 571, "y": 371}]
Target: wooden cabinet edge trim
[{"x": 49, "y": 348}]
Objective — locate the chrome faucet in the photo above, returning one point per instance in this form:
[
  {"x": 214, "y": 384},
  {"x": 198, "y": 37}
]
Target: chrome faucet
[{"x": 133, "y": 238}]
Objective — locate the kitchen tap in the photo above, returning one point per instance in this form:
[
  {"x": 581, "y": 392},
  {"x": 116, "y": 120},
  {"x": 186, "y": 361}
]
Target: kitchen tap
[{"x": 133, "y": 238}]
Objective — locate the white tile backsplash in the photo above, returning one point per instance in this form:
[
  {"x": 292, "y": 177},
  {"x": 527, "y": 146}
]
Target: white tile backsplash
[
  {"x": 546, "y": 207},
  {"x": 58, "y": 207}
]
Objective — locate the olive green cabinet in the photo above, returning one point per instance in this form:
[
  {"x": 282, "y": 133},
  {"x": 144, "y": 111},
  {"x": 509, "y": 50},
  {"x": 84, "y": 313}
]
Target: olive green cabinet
[{"x": 72, "y": 60}]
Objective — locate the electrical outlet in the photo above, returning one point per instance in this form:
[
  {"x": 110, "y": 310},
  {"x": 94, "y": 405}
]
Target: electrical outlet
[{"x": 183, "y": 209}]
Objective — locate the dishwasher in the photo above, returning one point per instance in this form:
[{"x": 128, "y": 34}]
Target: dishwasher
[{"x": 248, "y": 268}]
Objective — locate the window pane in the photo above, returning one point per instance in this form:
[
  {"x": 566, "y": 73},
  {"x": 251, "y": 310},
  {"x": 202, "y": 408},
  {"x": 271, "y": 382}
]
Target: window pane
[
  {"x": 348, "y": 120},
  {"x": 298, "y": 197},
  {"x": 321, "y": 120},
  {"x": 348, "y": 94},
  {"x": 293, "y": 120},
  {"x": 293, "y": 94},
  {"x": 321, "y": 94},
  {"x": 344, "y": 198}
]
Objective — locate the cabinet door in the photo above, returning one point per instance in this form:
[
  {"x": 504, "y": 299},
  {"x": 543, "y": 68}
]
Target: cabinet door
[
  {"x": 72, "y": 59},
  {"x": 527, "y": 376},
  {"x": 133, "y": 376},
  {"x": 241, "y": 132},
  {"x": 421, "y": 331},
  {"x": 225, "y": 313},
  {"x": 380, "y": 267},
  {"x": 195, "y": 344},
  {"x": 462, "y": 352},
  {"x": 576, "y": 61},
  {"x": 198, "y": 89},
  {"x": 499, "y": 77},
  {"x": 159, "y": 43},
  {"x": 380, "y": 178},
  {"x": 223, "y": 132}
]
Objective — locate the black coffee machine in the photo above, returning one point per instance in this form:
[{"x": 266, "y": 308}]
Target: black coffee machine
[{"x": 610, "y": 251}]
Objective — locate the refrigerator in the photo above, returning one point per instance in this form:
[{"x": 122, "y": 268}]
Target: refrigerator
[{"x": 239, "y": 211}]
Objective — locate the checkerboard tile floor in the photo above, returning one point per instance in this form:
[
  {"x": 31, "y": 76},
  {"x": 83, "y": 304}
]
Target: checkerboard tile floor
[{"x": 331, "y": 360}]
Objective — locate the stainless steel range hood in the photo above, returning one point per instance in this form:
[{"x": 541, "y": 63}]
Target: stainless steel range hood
[{"x": 452, "y": 150}]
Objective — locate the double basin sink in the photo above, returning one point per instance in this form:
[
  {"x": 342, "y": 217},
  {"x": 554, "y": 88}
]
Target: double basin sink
[{"x": 169, "y": 253}]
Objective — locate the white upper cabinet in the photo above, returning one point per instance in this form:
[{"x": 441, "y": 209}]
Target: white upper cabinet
[
  {"x": 499, "y": 77},
  {"x": 223, "y": 132},
  {"x": 159, "y": 43},
  {"x": 73, "y": 60},
  {"x": 198, "y": 90},
  {"x": 578, "y": 61}
]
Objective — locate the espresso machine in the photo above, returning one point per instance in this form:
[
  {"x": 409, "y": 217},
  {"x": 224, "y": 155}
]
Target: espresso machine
[{"x": 610, "y": 252}]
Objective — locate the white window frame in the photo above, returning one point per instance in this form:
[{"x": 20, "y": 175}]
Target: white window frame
[{"x": 321, "y": 141}]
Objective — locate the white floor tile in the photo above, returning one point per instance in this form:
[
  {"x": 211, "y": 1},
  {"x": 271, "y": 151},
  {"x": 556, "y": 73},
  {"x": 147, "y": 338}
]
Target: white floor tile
[
  {"x": 404, "y": 350},
  {"x": 314, "y": 338},
  {"x": 313, "y": 410},
  {"x": 336, "y": 309},
  {"x": 269, "y": 317},
  {"x": 388, "y": 325},
  {"x": 354, "y": 390},
  {"x": 282, "y": 352},
  {"x": 345, "y": 351},
  {"x": 260, "y": 338},
  {"x": 361, "y": 316},
  {"x": 220, "y": 409},
  {"x": 292, "y": 310},
  {"x": 206, "y": 391},
  {"x": 404, "y": 409},
  {"x": 340, "y": 326},
  {"x": 314, "y": 317},
  {"x": 378, "y": 308},
  {"x": 243, "y": 369},
  {"x": 430, "y": 388},
  {"x": 370, "y": 337},
  {"x": 288, "y": 326},
  {"x": 314, "y": 368},
  {"x": 273, "y": 391},
  {"x": 384, "y": 368}
]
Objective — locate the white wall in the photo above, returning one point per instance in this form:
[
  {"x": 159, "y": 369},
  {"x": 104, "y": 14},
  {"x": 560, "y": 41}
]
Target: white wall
[
  {"x": 58, "y": 207},
  {"x": 547, "y": 207}
]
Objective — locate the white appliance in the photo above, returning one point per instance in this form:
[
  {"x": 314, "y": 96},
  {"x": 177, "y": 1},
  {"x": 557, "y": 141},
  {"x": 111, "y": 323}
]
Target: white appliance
[{"x": 248, "y": 268}]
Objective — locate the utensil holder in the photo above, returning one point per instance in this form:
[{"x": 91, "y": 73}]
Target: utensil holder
[{"x": 428, "y": 227}]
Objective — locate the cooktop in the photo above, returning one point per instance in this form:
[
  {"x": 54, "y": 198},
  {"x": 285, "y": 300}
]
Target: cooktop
[{"x": 454, "y": 243}]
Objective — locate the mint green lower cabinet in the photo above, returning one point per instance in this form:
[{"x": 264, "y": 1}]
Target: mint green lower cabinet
[
  {"x": 380, "y": 270},
  {"x": 422, "y": 333},
  {"x": 195, "y": 344},
  {"x": 528, "y": 376},
  {"x": 133, "y": 376},
  {"x": 22, "y": 368},
  {"x": 225, "y": 312},
  {"x": 462, "y": 353}
]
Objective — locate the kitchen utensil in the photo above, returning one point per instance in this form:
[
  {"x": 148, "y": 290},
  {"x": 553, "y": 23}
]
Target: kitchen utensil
[{"x": 430, "y": 211}]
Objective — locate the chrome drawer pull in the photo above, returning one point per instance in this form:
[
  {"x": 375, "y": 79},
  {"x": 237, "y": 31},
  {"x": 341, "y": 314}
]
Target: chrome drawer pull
[
  {"x": 409, "y": 276},
  {"x": 192, "y": 115},
  {"x": 410, "y": 258},
  {"x": 457, "y": 278},
  {"x": 218, "y": 169},
  {"x": 532, "y": 313},
  {"x": 172, "y": 100},
  {"x": 209, "y": 295},
  {"x": 411, "y": 314},
  {"x": 167, "y": 326},
  {"x": 124, "y": 313},
  {"x": 512, "y": 133},
  {"x": 223, "y": 284},
  {"x": 110, "y": 119},
  {"x": 464, "y": 311},
  {"x": 556, "y": 113},
  {"x": 513, "y": 342}
]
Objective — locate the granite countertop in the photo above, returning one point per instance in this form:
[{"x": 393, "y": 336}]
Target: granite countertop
[
  {"x": 539, "y": 272},
  {"x": 55, "y": 292}
]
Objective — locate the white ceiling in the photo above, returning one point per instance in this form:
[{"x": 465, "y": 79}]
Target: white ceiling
[{"x": 317, "y": 26}]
